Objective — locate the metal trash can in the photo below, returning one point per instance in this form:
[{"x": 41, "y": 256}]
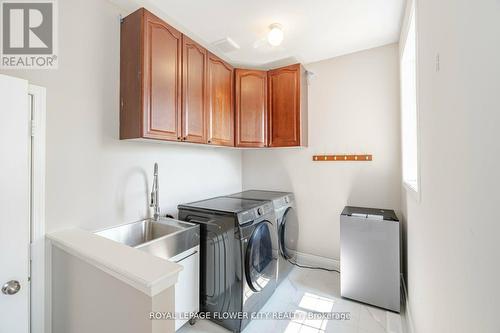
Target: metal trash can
[{"x": 370, "y": 256}]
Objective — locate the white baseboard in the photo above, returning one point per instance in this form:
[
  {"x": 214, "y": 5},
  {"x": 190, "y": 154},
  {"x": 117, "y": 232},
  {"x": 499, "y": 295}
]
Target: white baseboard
[
  {"x": 406, "y": 311},
  {"x": 317, "y": 261}
]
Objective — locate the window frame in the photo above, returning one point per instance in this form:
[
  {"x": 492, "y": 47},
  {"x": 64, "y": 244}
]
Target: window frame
[{"x": 411, "y": 14}]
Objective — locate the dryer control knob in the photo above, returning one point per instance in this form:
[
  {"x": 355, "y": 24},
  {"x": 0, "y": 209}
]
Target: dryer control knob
[
  {"x": 260, "y": 211},
  {"x": 287, "y": 199}
]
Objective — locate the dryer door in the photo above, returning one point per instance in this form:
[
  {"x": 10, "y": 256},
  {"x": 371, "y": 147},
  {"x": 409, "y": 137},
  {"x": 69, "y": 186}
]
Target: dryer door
[
  {"x": 288, "y": 234},
  {"x": 260, "y": 266}
]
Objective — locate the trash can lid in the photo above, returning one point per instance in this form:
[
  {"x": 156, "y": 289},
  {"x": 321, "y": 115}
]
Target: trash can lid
[{"x": 374, "y": 213}]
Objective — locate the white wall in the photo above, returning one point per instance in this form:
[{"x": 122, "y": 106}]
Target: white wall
[
  {"x": 93, "y": 179},
  {"x": 454, "y": 231},
  {"x": 353, "y": 108}
]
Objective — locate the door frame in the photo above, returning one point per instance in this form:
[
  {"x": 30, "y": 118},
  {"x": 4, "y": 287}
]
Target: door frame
[{"x": 39, "y": 294}]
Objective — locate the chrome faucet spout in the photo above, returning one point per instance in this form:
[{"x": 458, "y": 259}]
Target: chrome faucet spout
[{"x": 155, "y": 195}]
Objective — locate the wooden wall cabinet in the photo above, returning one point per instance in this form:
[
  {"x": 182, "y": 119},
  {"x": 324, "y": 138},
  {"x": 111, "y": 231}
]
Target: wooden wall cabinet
[
  {"x": 220, "y": 102},
  {"x": 287, "y": 96},
  {"x": 194, "y": 91},
  {"x": 250, "y": 108},
  {"x": 271, "y": 107},
  {"x": 173, "y": 89},
  {"x": 150, "y": 82}
]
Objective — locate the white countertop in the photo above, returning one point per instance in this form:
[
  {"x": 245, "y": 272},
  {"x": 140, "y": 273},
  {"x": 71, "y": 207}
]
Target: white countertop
[{"x": 145, "y": 272}]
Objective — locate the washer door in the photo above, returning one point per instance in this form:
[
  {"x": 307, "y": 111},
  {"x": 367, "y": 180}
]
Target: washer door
[
  {"x": 288, "y": 234},
  {"x": 260, "y": 266}
]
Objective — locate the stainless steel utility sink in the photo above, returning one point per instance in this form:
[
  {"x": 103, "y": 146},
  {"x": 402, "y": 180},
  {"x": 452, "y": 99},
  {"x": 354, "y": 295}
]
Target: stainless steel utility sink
[{"x": 164, "y": 238}]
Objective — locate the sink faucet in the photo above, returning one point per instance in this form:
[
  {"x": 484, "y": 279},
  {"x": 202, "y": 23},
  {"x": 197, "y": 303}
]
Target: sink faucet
[{"x": 155, "y": 195}]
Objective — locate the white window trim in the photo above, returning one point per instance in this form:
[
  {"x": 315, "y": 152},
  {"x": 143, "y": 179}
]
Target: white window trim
[
  {"x": 39, "y": 293},
  {"x": 410, "y": 187}
]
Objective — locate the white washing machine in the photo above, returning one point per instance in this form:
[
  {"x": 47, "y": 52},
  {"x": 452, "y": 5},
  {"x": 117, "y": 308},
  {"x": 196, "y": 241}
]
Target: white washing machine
[{"x": 287, "y": 228}]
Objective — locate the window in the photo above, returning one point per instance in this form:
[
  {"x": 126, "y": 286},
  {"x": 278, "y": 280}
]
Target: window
[{"x": 409, "y": 119}]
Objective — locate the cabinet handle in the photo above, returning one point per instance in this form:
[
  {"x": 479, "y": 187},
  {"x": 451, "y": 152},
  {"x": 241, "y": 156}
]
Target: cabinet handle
[
  {"x": 184, "y": 138},
  {"x": 209, "y": 141},
  {"x": 179, "y": 138},
  {"x": 189, "y": 255}
]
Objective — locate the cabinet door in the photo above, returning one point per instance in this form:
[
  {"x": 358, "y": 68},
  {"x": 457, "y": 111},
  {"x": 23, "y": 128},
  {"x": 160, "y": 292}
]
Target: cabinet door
[
  {"x": 194, "y": 74},
  {"x": 251, "y": 108},
  {"x": 220, "y": 102},
  {"x": 284, "y": 106},
  {"x": 162, "y": 80},
  {"x": 187, "y": 288}
]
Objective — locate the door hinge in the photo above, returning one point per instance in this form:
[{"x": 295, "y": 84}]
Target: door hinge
[
  {"x": 33, "y": 128},
  {"x": 31, "y": 251},
  {"x": 30, "y": 261}
]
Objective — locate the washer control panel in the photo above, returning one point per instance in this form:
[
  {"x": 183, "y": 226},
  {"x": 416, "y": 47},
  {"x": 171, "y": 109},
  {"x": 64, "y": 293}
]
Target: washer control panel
[
  {"x": 284, "y": 201},
  {"x": 255, "y": 213}
]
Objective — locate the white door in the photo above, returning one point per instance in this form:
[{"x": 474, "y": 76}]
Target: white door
[{"x": 15, "y": 183}]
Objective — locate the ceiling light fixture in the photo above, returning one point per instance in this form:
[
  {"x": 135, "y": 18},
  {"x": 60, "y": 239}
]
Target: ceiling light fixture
[{"x": 275, "y": 34}]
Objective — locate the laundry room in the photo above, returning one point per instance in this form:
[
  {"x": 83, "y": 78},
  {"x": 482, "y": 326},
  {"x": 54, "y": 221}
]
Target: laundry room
[{"x": 232, "y": 166}]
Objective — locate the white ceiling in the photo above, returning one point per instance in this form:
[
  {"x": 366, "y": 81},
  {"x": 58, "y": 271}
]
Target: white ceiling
[{"x": 314, "y": 29}]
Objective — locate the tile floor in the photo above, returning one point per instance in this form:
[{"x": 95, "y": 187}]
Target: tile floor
[{"x": 306, "y": 291}]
